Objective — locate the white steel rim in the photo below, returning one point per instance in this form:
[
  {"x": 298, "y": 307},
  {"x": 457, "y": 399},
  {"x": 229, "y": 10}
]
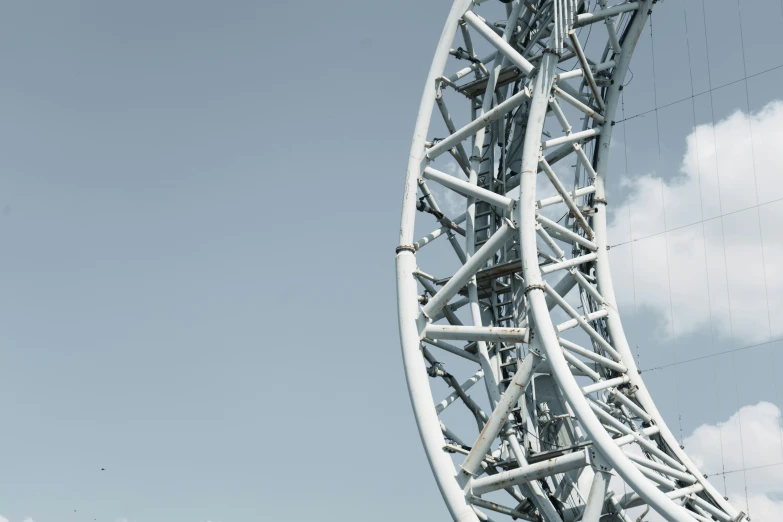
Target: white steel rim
[{"x": 691, "y": 497}]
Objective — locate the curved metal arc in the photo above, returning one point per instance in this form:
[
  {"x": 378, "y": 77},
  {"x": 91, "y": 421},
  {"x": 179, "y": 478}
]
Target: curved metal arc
[
  {"x": 407, "y": 303},
  {"x": 546, "y": 336},
  {"x": 606, "y": 286},
  {"x": 603, "y": 275},
  {"x": 557, "y": 361},
  {"x": 540, "y": 318},
  {"x": 417, "y": 156}
]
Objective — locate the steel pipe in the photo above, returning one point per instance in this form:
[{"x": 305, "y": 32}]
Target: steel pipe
[
  {"x": 468, "y": 189},
  {"x": 536, "y": 471}
]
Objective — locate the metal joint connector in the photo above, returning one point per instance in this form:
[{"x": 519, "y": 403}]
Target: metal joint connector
[
  {"x": 405, "y": 248},
  {"x": 601, "y": 201},
  {"x": 597, "y": 461},
  {"x": 437, "y": 371},
  {"x": 535, "y": 286}
]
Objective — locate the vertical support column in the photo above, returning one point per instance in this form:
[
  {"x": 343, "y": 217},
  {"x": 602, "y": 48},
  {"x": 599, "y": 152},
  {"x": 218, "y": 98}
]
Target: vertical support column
[
  {"x": 596, "y": 499},
  {"x": 542, "y": 85}
]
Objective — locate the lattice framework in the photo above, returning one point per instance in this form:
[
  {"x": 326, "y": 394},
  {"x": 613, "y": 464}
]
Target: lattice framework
[{"x": 566, "y": 429}]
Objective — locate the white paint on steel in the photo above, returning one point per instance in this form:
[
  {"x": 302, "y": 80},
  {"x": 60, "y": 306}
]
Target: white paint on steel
[{"x": 511, "y": 312}]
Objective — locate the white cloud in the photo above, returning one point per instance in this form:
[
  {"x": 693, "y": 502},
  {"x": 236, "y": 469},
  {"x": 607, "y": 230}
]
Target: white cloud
[
  {"x": 750, "y": 439},
  {"x": 764, "y": 508},
  {"x": 723, "y": 170}
]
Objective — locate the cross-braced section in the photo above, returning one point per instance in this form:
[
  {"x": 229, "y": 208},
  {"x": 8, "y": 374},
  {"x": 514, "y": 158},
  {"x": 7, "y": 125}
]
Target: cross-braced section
[{"x": 524, "y": 389}]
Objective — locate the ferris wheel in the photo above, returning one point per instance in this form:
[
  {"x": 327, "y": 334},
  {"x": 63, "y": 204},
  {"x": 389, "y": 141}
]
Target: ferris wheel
[{"x": 563, "y": 428}]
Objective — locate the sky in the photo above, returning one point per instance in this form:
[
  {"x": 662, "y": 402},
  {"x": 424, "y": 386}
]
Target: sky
[
  {"x": 702, "y": 302},
  {"x": 200, "y": 205}
]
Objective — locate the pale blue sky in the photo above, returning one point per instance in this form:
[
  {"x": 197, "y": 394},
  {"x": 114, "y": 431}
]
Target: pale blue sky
[
  {"x": 200, "y": 206},
  {"x": 184, "y": 301}
]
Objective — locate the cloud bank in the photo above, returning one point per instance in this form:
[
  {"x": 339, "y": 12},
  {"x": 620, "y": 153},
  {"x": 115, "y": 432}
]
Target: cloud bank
[{"x": 723, "y": 274}]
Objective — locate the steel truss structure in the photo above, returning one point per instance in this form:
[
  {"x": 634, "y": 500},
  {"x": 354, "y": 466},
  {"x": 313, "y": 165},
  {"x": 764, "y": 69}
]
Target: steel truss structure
[{"x": 564, "y": 427}]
